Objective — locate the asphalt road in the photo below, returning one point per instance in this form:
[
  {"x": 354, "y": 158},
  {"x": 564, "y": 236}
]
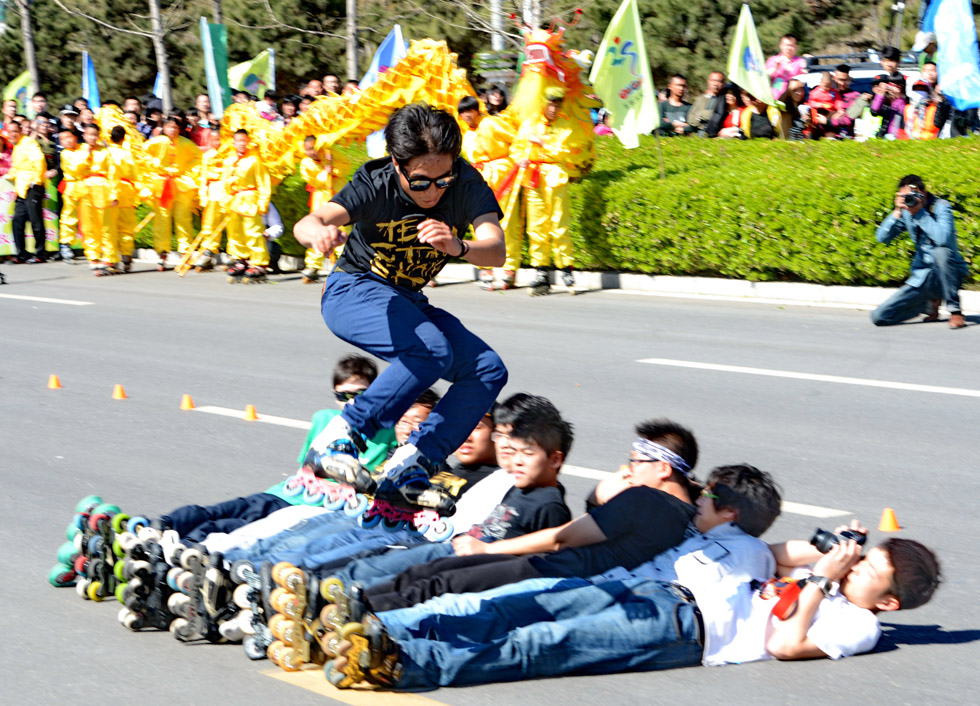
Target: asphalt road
[{"x": 855, "y": 447}]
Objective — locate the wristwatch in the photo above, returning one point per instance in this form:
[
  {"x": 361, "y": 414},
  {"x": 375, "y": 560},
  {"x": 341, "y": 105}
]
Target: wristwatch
[{"x": 828, "y": 587}]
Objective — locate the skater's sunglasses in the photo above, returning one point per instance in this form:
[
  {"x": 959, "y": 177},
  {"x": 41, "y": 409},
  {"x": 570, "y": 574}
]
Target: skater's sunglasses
[
  {"x": 422, "y": 183},
  {"x": 347, "y": 395}
]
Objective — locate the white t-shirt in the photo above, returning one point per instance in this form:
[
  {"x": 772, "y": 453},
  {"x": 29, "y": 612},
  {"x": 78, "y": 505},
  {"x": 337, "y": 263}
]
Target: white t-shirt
[{"x": 839, "y": 628}]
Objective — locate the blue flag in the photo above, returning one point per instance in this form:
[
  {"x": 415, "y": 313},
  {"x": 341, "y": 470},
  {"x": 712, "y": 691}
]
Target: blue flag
[
  {"x": 390, "y": 52},
  {"x": 958, "y": 58},
  {"x": 157, "y": 85},
  {"x": 90, "y": 86}
]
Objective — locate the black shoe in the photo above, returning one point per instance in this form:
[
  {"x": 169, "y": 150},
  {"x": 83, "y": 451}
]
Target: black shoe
[{"x": 541, "y": 284}]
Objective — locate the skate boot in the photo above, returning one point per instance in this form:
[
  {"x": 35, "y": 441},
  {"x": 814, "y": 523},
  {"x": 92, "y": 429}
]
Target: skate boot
[
  {"x": 148, "y": 595},
  {"x": 568, "y": 279},
  {"x": 508, "y": 281},
  {"x": 254, "y": 274},
  {"x": 296, "y": 625},
  {"x": 67, "y": 254},
  {"x": 541, "y": 284},
  {"x": 127, "y": 263},
  {"x": 236, "y": 270},
  {"x": 345, "y": 608},
  {"x": 406, "y": 483},
  {"x": 252, "y": 596},
  {"x": 204, "y": 261},
  {"x": 310, "y": 275},
  {"x": 335, "y": 454},
  {"x": 486, "y": 280},
  {"x": 366, "y": 655},
  {"x": 211, "y": 590}
]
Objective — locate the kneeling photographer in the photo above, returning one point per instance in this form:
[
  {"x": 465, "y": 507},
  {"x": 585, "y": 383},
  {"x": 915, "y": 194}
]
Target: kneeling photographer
[{"x": 938, "y": 269}]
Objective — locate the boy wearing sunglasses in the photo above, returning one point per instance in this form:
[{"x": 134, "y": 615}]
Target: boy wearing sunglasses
[{"x": 408, "y": 213}]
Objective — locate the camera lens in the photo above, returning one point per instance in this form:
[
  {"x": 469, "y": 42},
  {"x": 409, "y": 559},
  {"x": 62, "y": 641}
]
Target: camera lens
[{"x": 823, "y": 540}]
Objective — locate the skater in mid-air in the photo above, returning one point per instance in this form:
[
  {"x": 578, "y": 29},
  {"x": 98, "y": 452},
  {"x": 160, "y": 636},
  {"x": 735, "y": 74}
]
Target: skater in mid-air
[{"x": 409, "y": 213}]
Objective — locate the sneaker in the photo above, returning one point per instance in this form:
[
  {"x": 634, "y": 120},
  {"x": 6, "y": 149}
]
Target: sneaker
[
  {"x": 541, "y": 284},
  {"x": 66, "y": 253}
]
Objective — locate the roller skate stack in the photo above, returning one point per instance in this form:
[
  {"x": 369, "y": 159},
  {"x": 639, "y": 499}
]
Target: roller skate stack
[
  {"x": 205, "y": 607},
  {"x": 252, "y": 596},
  {"x": 150, "y": 578},
  {"x": 297, "y": 623}
]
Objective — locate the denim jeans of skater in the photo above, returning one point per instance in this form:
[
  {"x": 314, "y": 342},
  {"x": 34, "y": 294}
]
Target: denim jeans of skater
[
  {"x": 373, "y": 570},
  {"x": 423, "y": 344},
  {"x": 299, "y": 535},
  {"x": 195, "y": 522},
  {"x": 942, "y": 282},
  {"x": 604, "y": 628}
]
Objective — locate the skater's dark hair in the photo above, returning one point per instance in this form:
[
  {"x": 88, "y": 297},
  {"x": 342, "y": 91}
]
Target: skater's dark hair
[
  {"x": 429, "y": 398},
  {"x": 681, "y": 441},
  {"x": 419, "y": 129},
  {"x": 117, "y": 134},
  {"x": 354, "y": 366},
  {"x": 550, "y": 432},
  {"x": 517, "y": 404},
  {"x": 917, "y": 572},
  {"x": 468, "y": 103},
  {"x": 750, "y": 492},
  {"x": 241, "y": 131}
]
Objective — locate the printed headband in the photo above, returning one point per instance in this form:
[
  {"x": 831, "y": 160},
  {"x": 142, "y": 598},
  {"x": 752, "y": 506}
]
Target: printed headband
[{"x": 652, "y": 451}]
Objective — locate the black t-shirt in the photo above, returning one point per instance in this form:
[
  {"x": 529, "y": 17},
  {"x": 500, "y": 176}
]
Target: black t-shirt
[
  {"x": 524, "y": 510},
  {"x": 384, "y": 240},
  {"x": 639, "y": 523}
]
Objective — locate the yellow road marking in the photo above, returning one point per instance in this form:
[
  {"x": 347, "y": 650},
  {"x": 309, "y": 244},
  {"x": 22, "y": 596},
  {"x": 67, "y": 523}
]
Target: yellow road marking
[{"x": 312, "y": 679}]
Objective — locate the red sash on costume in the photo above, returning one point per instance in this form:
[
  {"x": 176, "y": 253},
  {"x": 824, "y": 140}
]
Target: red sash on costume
[{"x": 168, "y": 192}]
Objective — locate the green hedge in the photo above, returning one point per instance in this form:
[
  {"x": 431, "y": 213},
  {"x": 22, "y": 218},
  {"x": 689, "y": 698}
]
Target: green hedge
[
  {"x": 764, "y": 210},
  {"x": 757, "y": 210}
]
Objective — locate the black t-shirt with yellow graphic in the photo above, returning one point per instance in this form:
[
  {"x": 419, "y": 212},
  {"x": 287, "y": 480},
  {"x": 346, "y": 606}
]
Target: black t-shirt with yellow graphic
[{"x": 384, "y": 240}]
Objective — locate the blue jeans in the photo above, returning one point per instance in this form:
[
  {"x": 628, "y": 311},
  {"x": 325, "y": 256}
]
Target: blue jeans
[
  {"x": 423, "y": 344},
  {"x": 379, "y": 568},
  {"x": 299, "y": 535},
  {"x": 195, "y": 522},
  {"x": 605, "y": 628},
  {"x": 942, "y": 282}
]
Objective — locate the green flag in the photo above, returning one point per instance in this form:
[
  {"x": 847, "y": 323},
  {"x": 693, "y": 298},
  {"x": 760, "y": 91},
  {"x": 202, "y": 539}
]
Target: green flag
[
  {"x": 746, "y": 65},
  {"x": 621, "y": 77},
  {"x": 17, "y": 90},
  {"x": 256, "y": 75},
  {"x": 214, "y": 41}
]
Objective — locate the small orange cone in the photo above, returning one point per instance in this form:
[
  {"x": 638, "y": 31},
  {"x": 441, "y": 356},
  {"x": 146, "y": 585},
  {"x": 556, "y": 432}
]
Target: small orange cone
[
  {"x": 250, "y": 414},
  {"x": 889, "y": 523},
  {"x": 119, "y": 393},
  {"x": 54, "y": 383},
  {"x": 186, "y": 403}
]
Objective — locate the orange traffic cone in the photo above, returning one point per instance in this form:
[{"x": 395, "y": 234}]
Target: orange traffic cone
[
  {"x": 186, "y": 403},
  {"x": 250, "y": 414},
  {"x": 54, "y": 383},
  {"x": 889, "y": 523},
  {"x": 119, "y": 393}
]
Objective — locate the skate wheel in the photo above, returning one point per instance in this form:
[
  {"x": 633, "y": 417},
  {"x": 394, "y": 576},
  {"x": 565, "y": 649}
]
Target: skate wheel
[
  {"x": 80, "y": 564},
  {"x": 67, "y": 553},
  {"x": 182, "y": 630},
  {"x": 96, "y": 519},
  {"x": 287, "y": 603},
  {"x": 133, "y": 569},
  {"x": 117, "y": 549},
  {"x": 172, "y": 576},
  {"x": 185, "y": 581},
  {"x": 284, "y": 574},
  {"x": 334, "y": 503},
  {"x": 119, "y": 521},
  {"x": 290, "y": 659},
  {"x": 253, "y": 650},
  {"x": 94, "y": 545},
  {"x": 332, "y": 589},
  {"x": 120, "y": 592},
  {"x": 275, "y": 620},
  {"x": 119, "y": 570},
  {"x": 393, "y": 525},
  {"x": 148, "y": 534},
  {"x": 242, "y": 570},
  {"x": 439, "y": 532},
  {"x": 294, "y": 486},
  {"x": 71, "y": 530},
  {"x": 369, "y": 521},
  {"x": 81, "y": 586},
  {"x": 87, "y": 503},
  {"x": 314, "y": 497},
  {"x": 241, "y": 596},
  {"x": 357, "y": 506},
  {"x": 351, "y": 629},
  {"x": 136, "y": 523},
  {"x": 94, "y": 591},
  {"x": 62, "y": 575},
  {"x": 333, "y": 675},
  {"x": 106, "y": 509},
  {"x": 191, "y": 559},
  {"x": 290, "y": 632}
]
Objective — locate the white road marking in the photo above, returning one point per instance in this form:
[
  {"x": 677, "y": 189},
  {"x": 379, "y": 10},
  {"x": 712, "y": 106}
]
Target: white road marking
[
  {"x": 47, "y": 300},
  {"x": 577, "y": 471},
  {"x": 838, "y": 379}
]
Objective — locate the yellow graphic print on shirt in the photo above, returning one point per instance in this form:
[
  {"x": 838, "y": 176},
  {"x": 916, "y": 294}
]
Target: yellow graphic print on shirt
[{"x": 400, "y": 258}]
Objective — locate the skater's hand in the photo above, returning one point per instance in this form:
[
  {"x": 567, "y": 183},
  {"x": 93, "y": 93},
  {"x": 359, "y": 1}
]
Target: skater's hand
[
  {"x": 439, "y": 236},
  {"x": 313, "y": 233},
  {"x": 465, "y": 545}
]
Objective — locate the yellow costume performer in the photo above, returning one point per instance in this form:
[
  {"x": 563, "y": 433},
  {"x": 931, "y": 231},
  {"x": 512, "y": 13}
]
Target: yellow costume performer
[
  {"x": 28, "y": 170},
  {"x": 249, "y": 189},
  {"x": 101, "y": 246},
  {"x": 541, "y": 150},
  {"x": 120, "y": 217},
  {"x": 212, "y": 195},
  {"x": 74, "y": 169},
  {"x": 173, "y": 160},
  {"x": 324, "y": 173}
]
